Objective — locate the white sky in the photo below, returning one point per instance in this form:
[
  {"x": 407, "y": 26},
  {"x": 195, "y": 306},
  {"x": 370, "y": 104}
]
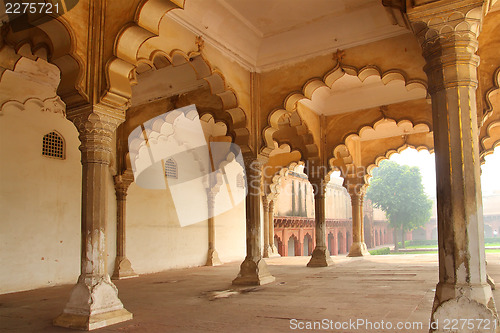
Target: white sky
[{"x": 490, "y": 177}]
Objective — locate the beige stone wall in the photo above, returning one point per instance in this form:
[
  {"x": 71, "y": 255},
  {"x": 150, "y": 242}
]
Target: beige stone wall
[
  {"x": 155, "y": 240},
  {"x": 40, "y": 203},
  {"x": 40, "y": 200}
]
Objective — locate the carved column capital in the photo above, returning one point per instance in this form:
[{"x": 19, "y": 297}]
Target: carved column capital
[
  {"x": 122, "y": 183},
  {"x": 357, "y": 198},
  {"x": 265, "y": 203},
  {"x": 96, "y": 125},
  {"x": 448, "y": 35},
  {"x": 319, "y": 187}
]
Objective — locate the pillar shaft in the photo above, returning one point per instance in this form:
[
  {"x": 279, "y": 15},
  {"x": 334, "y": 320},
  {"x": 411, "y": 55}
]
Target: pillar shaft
[
  {"x": 212, "y": 255},
  {"x": 267, "y": 249},
  {"x": 253, "y": 270},
  {"x": 271, "y": 230},
  {"x": 123, "y": 267},
  {"x": 358, "y": 246},
  {"x": 94, "y": 300},
  {"x": 448, "y": 35},
  {"x": 320, "y": 256}
]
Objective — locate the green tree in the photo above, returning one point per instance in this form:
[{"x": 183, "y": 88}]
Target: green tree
[{"x": 398, "y": 191}]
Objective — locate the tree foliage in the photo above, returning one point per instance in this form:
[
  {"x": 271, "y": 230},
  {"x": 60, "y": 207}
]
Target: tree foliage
[{"x": 399, "y": 192}]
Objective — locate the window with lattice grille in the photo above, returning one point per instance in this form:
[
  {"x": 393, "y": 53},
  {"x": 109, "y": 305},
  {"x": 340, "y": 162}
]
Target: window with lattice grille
[
  {"x": 240, "y": 181},
  {"x": 170, "y": 168},
  {"x": 53, "y": 145}
]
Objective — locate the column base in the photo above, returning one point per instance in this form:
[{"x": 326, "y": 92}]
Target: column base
[
  {"x": 464, "y": 301},
  {"x": 268, "y": 252},
  {"x": 213, "y": 258},
  {"x": 275, "y": 252},
  {"x": 320, "y": 258},
  {"x": 490, "y": 281},
  {"x": 358, "y": 249},
  {"x": 88, "y": 323},
  {"x": 93, "y": 303},
  {"x": 123, "y": 269},
  {"x": 253, "y": 273}
]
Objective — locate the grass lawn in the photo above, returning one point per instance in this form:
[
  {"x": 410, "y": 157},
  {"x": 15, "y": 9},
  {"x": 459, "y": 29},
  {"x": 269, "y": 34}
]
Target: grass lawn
[
  {"x": 421, "y": 246},
  {"x": 426, "y": 252}
]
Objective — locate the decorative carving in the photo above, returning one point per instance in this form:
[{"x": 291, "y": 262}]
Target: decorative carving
[
  {"x": 96, "y": 126},
  {"x": 200, "y": 43},
  {"x": 53, "y": 104},
  {"x": 339, "y": 56}
]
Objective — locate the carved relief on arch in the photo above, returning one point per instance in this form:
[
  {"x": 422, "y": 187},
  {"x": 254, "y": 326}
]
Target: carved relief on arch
[
  {"x": 53, "y": 104},
  {"x": 54, "y": 42},
  {"x": 490, "y": 128}
]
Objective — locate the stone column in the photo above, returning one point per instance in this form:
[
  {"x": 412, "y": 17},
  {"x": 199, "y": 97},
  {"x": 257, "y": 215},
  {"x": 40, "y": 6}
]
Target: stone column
[
  {"x": 335, "y": 243},
  {"x": 447, "y": 32},
  {"x": 212, "y": 255},
  {"x": 268, "y": 251},
  {"x": 253, "y": 270},
  {"x": 123, "y": 267},
  {"x": 94, "y": 301},
  {"x": 273, "y": 247},
  {"x": 320, "y": 256},
  {"x": 358, "y": 246}
]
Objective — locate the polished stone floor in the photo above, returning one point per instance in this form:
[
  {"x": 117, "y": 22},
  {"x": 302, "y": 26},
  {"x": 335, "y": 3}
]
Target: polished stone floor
[{"x": 393, "y": 288}]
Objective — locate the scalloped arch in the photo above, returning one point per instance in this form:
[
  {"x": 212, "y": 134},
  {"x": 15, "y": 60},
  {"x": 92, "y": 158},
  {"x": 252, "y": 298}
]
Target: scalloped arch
[
  {"x": 52, "y": 104},
  {"x": 388, "y": 155},
  {"x": 53, "y": 41},
  {"x": 291, "y": 101},
  {"x": 342, "y": 159},
  {"x": 279, "y": 176},
  {"x": 493, "y": 130},
  {"x": 137, "y": 49}
]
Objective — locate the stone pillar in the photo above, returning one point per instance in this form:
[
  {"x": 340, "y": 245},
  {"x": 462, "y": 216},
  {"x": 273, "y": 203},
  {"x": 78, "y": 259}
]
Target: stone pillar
[
  {"x": 320, "y": 256},
  {"x": 212, "y": 255},
  {"x": 268, "y": 251},
  {"x": 335, "y": 243},
  {"x": 94, "y": 301},
  {"x": 447, "y": 32},
  {"x": 123, "y": 267},
  {"x": 253, "y": 270},
  {"x": 273, "y": 247},
  {"x": 358, "y": 246}
]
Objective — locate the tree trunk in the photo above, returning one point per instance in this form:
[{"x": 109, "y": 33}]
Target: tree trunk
[
  {"x": 395, "y": 234},
  {"x": 402, "y": 237}
]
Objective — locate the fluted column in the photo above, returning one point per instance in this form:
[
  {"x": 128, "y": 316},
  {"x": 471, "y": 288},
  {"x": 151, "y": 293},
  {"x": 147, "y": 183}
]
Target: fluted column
[
  {"x": 358, "y": 246},
  {"x": 94, "y": 299},
  {"x": 447, "y": 32},
  {"x": 212, "y": 255},
  {"x": 273, "y": 247},
  {"x": 123, "y": 267},
  {"x": 253, "y": 270},
  {"x": 320, "y": 256}
]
